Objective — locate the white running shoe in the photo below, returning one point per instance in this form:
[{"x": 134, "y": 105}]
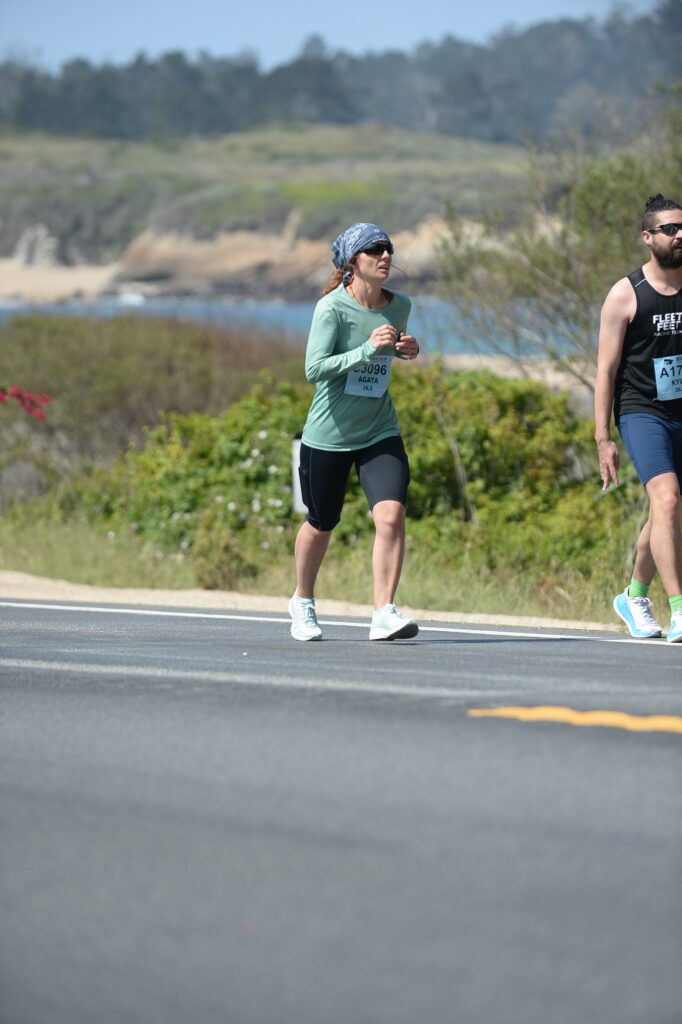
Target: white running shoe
[
  {"x": 389, "y": 624},
  {"x": 675, "y": 631},
  {"x": 303, "y": 619},
  {"x": 637, "y": 614}
]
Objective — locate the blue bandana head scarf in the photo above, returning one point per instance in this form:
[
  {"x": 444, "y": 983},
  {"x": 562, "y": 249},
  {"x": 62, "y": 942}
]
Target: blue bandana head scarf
[{"x": 352, "y": 240}]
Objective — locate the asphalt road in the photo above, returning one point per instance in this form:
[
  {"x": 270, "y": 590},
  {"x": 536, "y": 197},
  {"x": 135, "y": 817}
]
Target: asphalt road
[{"x": 201, "y": 820}]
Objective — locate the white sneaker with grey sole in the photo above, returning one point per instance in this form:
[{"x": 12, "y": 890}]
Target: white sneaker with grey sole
[
  {"x": 389, "y": 624},
  {"x": 303, "y": 619}
]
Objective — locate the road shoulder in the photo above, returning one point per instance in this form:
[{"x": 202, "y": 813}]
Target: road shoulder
[{"x": 21, "y": 586}]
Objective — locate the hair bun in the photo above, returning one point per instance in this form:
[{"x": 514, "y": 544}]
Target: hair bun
[{"x": 653, "y": 199}]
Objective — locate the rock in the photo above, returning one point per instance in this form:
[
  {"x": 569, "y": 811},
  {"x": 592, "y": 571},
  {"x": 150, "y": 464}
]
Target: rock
[
  {"x": 257, "y": 263},
  {"x": 19, "y": 480},
  {"x": 36, "y": 247}
]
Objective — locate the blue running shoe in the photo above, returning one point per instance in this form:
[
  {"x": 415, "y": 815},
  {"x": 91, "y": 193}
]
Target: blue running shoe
[
  {"x": 675, "y": 631},
  {"x": 637, "y": 614}
]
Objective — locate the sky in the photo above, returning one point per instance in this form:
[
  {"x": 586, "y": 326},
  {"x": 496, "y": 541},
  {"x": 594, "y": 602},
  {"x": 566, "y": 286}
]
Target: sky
[{"x": 49, "y": 32}]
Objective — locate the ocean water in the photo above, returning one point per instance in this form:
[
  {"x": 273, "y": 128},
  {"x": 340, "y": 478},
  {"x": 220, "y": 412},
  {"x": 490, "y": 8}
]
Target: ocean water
[{"x": 432, "y": 321}]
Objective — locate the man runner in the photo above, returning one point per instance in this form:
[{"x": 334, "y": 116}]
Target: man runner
[{"x": 639, "y": 376}]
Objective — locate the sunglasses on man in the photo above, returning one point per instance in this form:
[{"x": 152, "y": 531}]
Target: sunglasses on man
[
  {"x": 668, "y": 229},
  {"x": 378, "y": 249}
]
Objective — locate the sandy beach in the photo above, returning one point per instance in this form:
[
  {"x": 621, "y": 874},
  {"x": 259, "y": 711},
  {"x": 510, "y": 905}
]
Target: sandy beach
[
  {"x": 54, "y": 284},
  {"x": 256, "y": 261},
  {"x": 239, "y": 262}
]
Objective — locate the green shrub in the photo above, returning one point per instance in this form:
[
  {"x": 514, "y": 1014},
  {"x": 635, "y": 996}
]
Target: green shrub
[
  {"x": 221, "y": 555},
  {"x": 197, "y": 475},
  {"x": 504, "y": 498},
  {"x": 497, "y": 479},
  {"x": 110, "y": 379}
]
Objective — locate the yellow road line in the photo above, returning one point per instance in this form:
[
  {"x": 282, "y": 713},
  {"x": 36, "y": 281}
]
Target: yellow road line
[{"x": 607, "y": 719}]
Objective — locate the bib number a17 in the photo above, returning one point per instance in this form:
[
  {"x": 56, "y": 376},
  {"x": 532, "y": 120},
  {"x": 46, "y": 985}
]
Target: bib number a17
[
  {"x": 668, "y": 373},
  {"x": 371, "y": 379}
]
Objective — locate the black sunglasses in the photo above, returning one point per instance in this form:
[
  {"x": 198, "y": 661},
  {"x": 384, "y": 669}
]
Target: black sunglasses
[
  {"x": 668, "y": 229},
  {"x": 379, "y": 249}
]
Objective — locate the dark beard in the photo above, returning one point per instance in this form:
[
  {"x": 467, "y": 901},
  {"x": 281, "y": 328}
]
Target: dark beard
[
  {"x": 668, "y": 258},
  {"x": 671, "y": 260}
]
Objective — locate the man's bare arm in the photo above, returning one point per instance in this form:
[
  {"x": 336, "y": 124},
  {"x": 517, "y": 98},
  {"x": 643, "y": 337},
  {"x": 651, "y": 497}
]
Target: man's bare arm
[{"x": 617, "y": 312}]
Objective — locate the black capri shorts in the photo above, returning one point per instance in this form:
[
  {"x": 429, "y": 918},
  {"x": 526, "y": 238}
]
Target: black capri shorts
[{"x": 383, "y": 470}]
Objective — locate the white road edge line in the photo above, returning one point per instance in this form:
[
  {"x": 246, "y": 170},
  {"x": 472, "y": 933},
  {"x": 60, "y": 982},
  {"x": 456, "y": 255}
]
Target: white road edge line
[
  {"x": 124, "y": 610},
  {"x": 280, "y": 682}
]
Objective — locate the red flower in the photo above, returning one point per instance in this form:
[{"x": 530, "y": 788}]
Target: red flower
[{"x": 30, "y": 401}]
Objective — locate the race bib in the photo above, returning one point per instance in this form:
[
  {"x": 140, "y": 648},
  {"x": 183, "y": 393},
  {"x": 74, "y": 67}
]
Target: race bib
[
  {"x": 371, "y": 379},
  {"x": 668, "y": 373}
]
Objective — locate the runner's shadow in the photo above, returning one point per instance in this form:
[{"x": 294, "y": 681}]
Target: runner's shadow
[
  {"x": 422, "y": 641},
  {"x": 435, "y": 641},
  {"x": 501, "y": 639}
]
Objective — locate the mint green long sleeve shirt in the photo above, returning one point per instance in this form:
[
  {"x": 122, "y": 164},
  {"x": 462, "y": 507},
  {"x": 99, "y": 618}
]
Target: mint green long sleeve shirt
[{"x": 339, "y": 344}]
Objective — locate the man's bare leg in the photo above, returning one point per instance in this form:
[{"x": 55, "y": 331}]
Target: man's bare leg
[
  {"x": 665, "y": 540},
  {"x": 644, "y": 568}
]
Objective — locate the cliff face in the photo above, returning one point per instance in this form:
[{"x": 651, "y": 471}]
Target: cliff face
[
  {"x": 239, "y": 263},
  {"x": 250, "y": 263},
  {"x": 236, "y": 212}
]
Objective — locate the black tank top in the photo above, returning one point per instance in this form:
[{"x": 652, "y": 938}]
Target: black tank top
[{"x": 649, "y": 377}]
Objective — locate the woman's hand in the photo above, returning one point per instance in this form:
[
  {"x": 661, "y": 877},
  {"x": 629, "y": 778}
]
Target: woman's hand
[
  {"x": 383, "y": 337},
  {"x": 407, "y": 347}
]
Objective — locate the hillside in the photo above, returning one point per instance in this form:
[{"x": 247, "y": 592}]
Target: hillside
[{"x": 226, "y": 206}]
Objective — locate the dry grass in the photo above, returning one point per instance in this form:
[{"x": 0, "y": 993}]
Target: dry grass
[{"x": 81, "y": 552}]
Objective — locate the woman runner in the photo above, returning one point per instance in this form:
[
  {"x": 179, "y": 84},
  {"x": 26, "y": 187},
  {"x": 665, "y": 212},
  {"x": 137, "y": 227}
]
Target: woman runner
[{"x": 358, "y": 328}]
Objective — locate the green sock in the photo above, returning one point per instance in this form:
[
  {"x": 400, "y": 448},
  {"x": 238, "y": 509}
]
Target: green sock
[
  {"x": 637, "y": 589},
  {"x": 675, "y": 602}
]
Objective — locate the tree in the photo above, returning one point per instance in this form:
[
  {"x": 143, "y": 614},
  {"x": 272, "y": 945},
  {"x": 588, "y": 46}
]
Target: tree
[
  {"x": 534, "y": 289},
  {"x": 532, "y": 83}
]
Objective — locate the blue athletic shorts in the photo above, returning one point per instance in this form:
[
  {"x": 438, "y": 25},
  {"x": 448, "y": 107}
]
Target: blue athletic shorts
[{"x": 653, "y": 444}]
